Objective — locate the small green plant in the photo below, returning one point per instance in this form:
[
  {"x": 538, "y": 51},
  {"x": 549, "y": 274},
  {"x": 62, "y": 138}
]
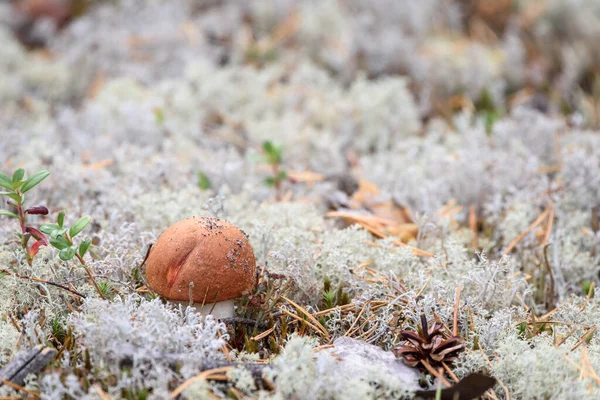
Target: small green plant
[
  {"x": 588, "y": 288},
  {"x": 273, "y": 155},
  {"x": 15, "y": 189},
  {"x": 486, "y": 107},
  {"x": 159, "y": 115},
  {"x": 107, "y": 289},
  {"x": 204, "y": 182},
  {"x": 332, "y": 297},
  {"x": 62, "y": 238}
]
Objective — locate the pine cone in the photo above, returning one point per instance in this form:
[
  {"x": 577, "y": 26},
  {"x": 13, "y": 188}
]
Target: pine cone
[{"x": 428, "y": 345}]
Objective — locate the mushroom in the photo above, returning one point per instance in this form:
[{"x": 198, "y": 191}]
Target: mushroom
[{"x": 202, "y": 261}]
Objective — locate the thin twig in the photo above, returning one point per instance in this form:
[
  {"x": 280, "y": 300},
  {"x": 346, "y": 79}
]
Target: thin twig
[
  {"x": 146, "y": 256},
  {"x": 30, "y": 278},
  {"x": 90, "y": 275}
]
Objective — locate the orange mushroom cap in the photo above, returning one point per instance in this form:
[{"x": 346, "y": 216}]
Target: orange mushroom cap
[{"x": 213, "y": 254}]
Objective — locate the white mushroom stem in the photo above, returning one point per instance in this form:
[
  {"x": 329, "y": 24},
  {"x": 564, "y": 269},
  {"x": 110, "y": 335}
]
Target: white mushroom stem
[{"x": 222, "y": 309}]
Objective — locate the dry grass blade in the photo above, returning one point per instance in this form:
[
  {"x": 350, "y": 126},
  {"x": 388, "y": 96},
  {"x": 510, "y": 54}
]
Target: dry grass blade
[
  {"x": 216, "y": 373},
  {"x": 531, "y": 227},
  {"x": 310, "y": 316}
]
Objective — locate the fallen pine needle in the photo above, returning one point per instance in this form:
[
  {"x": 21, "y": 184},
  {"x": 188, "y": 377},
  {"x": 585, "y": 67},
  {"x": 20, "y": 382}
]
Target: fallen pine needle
[
  {"x": 369, "y": 219},
  {"x": 450, "y": 373},
  {"x": 101, "y": 393},
  {"x": 20, "y": 388},
  {"x": 99, "y": 164},
  {"x": 473, "y": 227},
  {"x": 323, "y": 347},
  {"x": 208, "y": 374},
  {"x": 455, "y": 321},
  {"x": 526, "y": 231},
  {"x": 263, "y": 335},
  {"x": 549, "y": 227},
  {"x": 364, "y": 307},
  {"x": 435, "y": 373},
  {"x": 299, "y": 319},
  {"x": 585, "y": 337},
  {"x": 381, "y": 235},
  {"x": 309, "y": 315}
]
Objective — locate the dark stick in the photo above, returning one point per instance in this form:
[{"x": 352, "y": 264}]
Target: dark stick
[{"x": 29, "y": 361}]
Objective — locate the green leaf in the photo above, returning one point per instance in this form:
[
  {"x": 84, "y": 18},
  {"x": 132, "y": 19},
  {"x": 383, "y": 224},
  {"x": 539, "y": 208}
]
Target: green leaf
[
  {"x": 84, "y": 246},
  {"x": 268, "y": 147},
  {"x": 49, "y": 228},
  {"x": 34, "y": 180},
  {"x": 60, "y": 242},
  {"x": 17, "y": 184},
  {"x": 159, "y": 115},
  {"x": 67, "y": 253},
  {"x": 489, "y": 119},
  {"x": 79, "y": 225},
  {"x": 272, "y": 152},
  {"x": 14, "y": 196},
  {"x": 57, "y": 233},
  {"x": 270, "y": 181},
  {"x": 8, "y": 213},
  {"x": 5, "y": 181},
  {"x": 203, "y": 182},
  {"x": 281, "y": 176},
  {"x": 18, "y": 175},
  {"x": 61, "y": 219}
]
